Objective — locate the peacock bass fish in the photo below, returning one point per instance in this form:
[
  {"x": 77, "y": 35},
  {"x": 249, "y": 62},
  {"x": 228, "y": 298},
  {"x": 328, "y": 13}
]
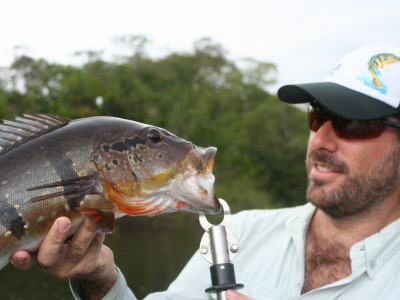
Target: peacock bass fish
[
  {"x": 378, "y": 62},
  {"x": 100, "y": 168}
]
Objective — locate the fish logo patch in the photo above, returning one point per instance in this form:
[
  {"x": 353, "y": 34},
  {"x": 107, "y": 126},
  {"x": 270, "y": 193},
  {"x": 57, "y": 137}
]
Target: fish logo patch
[{"x": 373, "y": 77}]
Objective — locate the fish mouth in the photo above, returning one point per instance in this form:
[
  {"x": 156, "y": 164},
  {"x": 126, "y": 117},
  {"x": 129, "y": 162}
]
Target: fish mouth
[
  {"x": 203, "y": 158},
  {"x": 208, "y": 165},
  {"x": 209, "y": 159},
  {"x": 216, "y": 208},
  {"x": 212, "y": 207},
  {"x": 202, "y": 183}
]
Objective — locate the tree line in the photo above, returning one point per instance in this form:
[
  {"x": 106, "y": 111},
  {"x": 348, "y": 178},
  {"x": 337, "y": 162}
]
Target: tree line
[{"x": 199, "y": 95}]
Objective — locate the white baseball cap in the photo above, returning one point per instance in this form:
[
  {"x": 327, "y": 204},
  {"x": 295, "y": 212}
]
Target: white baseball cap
[{"x": 364, "y": 85}]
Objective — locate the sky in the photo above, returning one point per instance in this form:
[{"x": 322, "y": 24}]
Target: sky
[{"x": 304, "y": 38}]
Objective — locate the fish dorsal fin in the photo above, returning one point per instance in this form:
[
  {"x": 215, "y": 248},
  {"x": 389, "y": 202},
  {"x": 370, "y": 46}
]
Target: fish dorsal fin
[{"x": 26, "y": 127}]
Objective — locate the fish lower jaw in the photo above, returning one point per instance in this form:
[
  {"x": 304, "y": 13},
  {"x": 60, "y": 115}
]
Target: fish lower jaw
[
  {"x": 197, "y": 190},
  {"x": 189, "y": 191}
]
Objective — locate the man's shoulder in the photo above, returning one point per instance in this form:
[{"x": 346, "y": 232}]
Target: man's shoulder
[
  {"x": 266, "y": 220},
  {"x": 266, "y": 215}
]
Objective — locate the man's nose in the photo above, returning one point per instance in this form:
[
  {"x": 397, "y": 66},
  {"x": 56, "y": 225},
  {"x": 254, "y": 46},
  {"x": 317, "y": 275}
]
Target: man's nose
[{"x": 324, "y": 138}]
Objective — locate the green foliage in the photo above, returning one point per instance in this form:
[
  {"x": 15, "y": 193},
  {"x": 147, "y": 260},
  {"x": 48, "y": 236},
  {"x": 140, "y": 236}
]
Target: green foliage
[{"x": 200, "y": 96}]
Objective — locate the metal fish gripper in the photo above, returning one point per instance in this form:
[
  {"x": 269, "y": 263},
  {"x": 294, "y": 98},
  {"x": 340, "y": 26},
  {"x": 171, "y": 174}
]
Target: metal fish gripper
[{"x": 219, "y": 247}]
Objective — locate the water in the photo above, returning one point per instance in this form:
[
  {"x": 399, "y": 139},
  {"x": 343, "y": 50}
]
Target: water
[{"x": 149, "y": 251}]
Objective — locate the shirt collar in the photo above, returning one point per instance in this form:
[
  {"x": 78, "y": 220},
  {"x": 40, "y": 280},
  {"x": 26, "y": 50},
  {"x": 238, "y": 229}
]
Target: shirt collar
[
  {"x": 370, "y": 253},
  {"x": 297, "y": 224}
]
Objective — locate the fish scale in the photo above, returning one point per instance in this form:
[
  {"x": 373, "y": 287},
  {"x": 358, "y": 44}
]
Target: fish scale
[{"x": 99, "y": 168}]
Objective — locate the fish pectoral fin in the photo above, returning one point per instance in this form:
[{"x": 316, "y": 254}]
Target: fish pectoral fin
[
  {"x": 79, "y": 186},
  {"x": 102, "y": 220}
]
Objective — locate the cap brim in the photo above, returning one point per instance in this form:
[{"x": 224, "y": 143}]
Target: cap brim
[{"x": 337, "y": 99}]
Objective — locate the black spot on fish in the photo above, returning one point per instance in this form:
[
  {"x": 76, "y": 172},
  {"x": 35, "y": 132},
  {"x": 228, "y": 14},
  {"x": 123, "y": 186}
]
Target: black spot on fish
[
  {"x": 10, "y": 219},
  {"x": 138, "y": 158},
  {"x": 160, "y": 155},
  {"x": 17, "y": 227},
  {"x": 95, "y": 157},
  {"x": 134, "y": 142},
  {"x": 119, "y": 146},
  {"x": 115, "y": 162},
  {"x": 107, "y": 167},
  {"x": 128, "y": 144},
  {"x": 106, "y": 148}
]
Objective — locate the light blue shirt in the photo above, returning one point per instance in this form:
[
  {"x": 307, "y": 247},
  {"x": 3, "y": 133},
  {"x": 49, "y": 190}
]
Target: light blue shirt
[{"x": 270, "y": 262}]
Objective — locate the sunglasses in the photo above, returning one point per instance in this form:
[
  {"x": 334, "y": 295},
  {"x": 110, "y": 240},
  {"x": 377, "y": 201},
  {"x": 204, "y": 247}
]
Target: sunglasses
[{"x": 348, "y": 129}]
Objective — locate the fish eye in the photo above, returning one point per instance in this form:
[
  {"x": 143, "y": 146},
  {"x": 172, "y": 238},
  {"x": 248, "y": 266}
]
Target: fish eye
[{"x": 154, "y": 136}]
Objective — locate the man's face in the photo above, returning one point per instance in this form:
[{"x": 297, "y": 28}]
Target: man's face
[{"x": 351, "y": 177}]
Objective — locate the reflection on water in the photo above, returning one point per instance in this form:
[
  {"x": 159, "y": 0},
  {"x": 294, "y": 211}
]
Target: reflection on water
[{"x": 150, "y": 252}]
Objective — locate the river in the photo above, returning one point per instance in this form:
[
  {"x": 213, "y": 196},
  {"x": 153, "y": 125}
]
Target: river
[{"x": 150, "y": 252}]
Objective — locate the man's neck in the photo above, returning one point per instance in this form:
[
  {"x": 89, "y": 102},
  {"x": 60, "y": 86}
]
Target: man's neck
[
  {"x": 352, "y": 229},
  {"x": 346, "y": 231},
  {"x": 326, "y": 258}
]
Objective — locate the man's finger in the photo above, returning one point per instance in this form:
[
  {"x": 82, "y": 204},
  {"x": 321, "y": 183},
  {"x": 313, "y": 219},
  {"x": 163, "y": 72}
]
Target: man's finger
[
  {"x": 235, "y": 295},
  {"x": 53, "y": 242},
  {"x": 22, "y": 259},
  {"x": 81, "y": 241}
]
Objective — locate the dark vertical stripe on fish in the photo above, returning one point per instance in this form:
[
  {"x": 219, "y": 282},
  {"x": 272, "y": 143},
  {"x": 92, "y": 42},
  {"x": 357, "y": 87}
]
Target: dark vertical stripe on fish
[{"x": 66, "y": 172}]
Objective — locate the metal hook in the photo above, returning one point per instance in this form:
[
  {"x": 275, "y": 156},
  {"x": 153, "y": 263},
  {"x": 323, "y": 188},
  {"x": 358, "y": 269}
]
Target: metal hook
[
  {"x": 219, "y": 247},
  {"x": 205, "y": 242},
  {"x": 225, "y": 222}
]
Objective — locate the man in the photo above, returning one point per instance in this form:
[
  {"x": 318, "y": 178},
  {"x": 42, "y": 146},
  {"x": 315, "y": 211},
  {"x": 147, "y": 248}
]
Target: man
[{"x": 343, "y": 244}]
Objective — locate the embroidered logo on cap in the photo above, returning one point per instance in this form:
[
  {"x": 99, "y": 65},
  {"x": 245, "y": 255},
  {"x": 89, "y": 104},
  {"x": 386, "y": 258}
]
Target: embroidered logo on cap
[{"x": 374, "y": 64}]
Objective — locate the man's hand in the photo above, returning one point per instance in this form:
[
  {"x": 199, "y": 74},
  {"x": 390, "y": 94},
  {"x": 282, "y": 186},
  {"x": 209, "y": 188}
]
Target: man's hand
[
  {"x": 235, "y": 295},
  {"x": 83, "y": 258}
]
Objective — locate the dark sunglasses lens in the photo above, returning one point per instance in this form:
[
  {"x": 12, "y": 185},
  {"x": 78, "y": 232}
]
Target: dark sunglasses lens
[
  {"x": 351, "y": 129},
  {"x": 346, "y": 129},
  {"x": 316, "y": 118}
]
